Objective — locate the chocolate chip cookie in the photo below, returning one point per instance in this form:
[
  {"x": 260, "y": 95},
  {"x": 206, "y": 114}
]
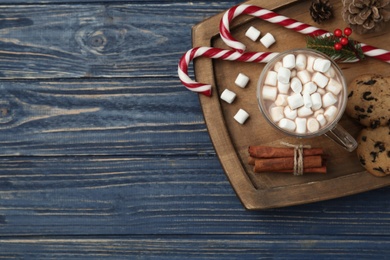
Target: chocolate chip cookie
[
  {"x": 369, "y": 100},
  {"x": 374, "y": 150}
]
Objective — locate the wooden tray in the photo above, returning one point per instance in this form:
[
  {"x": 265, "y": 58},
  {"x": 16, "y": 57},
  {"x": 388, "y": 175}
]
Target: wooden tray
[{"x": 231, "y": 140}]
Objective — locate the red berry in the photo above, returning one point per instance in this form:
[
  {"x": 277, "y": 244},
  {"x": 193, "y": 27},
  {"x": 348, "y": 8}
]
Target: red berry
[
  {"x": 338, "y": 33},
  {"x": 347, "y": 31},
  {"x": 344, "y": 41},
  {"x": 338, "y": 46}
]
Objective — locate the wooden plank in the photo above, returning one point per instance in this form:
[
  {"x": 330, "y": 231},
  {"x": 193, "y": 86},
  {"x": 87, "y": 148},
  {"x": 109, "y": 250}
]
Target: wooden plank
[
  {"x": 96, "y": 40},
  {"x": 199, "y": 247},
  {"x": 85, "y": 195},
  {"x": 100, "y": 117}
]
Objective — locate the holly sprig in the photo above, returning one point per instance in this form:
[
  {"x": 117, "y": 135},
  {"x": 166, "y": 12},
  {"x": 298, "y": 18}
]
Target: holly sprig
[{"x": 339, "y": 47}]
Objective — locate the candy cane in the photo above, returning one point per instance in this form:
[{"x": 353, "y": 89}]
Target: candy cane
[
  {"x": 262, "y": 13},
  {"x": 272, "y": 17},
  {"x": 215, "y": 53}
]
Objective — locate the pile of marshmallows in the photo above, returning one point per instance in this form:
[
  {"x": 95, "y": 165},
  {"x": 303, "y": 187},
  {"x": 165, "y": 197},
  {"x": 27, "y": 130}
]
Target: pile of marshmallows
[
  {"x": 301, "y": 93},
  {"x": 242, "y": 80}
]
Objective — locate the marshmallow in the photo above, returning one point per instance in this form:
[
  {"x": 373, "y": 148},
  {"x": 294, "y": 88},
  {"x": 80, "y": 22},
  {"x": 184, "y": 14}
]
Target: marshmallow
[
  {"x": 304, "y": 76},
  {"x": 295, "y": 101},
  {"x": 284, "y": 75},
  {"x": 271, "y": 78},
  {"x": 309, "y": 87},
  {"x": 228, "y": 96},
  {"x": 241, "y": 80},
  {"x": 277, "y": 66},
  {"x": 334, "y": 86},
  {"x": 300, "y": 62},
  {"x": 304, "y": 111},
  {"x": 281, "y": 100},
  {"x": 289, "y": 113},
  {"x": 330, "y": 73},
  {"x": 289, "y": 61},
  {"x": 316, "y": 101},
  {"x": 276, "y": 113},
  {"x": 300, "y": 125},
  {"x": 267, "y": 40},
  {"x": 269, "y": 93},
  {"x": 319, "y": 111},
  {"x": 321, "y": 65},
  {"x": 310, "y": 63},
  {"x": 328, "y": 99},
  {"x": 313, "y": 125},
  {"x": 320, "y": 79},
  {"x": 330, "y": 113},
  {"x": 307, "y": 100},
  {"x": 283, "y": 87},
  {"x": 241, "y": 116},
  {"x": 296, "y": 85},
  {"x": 321, "y": 119},
  {"x": 252, "y": 33},
  {"x": 321, "y": 91},
  {"x": 287, "y": 124}
]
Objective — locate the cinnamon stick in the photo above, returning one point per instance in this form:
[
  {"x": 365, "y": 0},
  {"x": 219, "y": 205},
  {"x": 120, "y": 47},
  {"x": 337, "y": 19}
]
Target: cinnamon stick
[
  {"x": 286, "y": 163},
  {"x": 260, "y": 151},
  {"x": 321, "y": 169},
  {"x": 251, "y": 160}
]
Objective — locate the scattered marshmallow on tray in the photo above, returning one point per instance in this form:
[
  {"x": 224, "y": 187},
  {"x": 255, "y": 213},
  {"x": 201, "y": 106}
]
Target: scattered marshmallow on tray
[
  {"x": 267, "y": 40},
  {"x": 252, "y": 33},
  {"x": 228, "y": 96},
  {"x": 241, "y": 116},
  {"x": 241, "y": 80}
]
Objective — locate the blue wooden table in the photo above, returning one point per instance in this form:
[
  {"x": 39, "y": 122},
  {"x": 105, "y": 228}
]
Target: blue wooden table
[{"x": 104, "y": 154}]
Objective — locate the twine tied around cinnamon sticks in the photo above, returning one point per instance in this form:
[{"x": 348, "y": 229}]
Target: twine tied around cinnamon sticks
[
  {"x": 298, "y": 156},
  {"x": 296, "y": 159}
]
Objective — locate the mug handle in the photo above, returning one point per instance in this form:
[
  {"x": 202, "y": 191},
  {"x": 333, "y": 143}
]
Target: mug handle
[{"x": 342, "y": 137}]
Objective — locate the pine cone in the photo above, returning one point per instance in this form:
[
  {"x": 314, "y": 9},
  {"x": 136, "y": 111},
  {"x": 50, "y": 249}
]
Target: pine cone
[
  {"x": 321, "y": 10},
  {"x": 366, "y": 16}
]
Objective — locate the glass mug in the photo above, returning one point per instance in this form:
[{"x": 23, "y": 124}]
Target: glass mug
[{"x": 330, "y": 128}]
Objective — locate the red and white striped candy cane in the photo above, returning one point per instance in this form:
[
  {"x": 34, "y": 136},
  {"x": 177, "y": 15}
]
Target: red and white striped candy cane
[
  {"x": 264, "y": 14},
  {"x": 215, "y": 53},
  {"x": 272, "y": 17}
]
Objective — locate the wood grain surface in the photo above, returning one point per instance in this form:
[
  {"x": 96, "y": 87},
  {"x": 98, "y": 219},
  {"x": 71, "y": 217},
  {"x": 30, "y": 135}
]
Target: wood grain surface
[{"x": 105, "y": 155}]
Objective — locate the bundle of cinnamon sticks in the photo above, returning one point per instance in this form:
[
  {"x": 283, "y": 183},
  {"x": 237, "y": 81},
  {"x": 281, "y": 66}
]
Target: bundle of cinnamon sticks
[{"x": 281, "y": 159}]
